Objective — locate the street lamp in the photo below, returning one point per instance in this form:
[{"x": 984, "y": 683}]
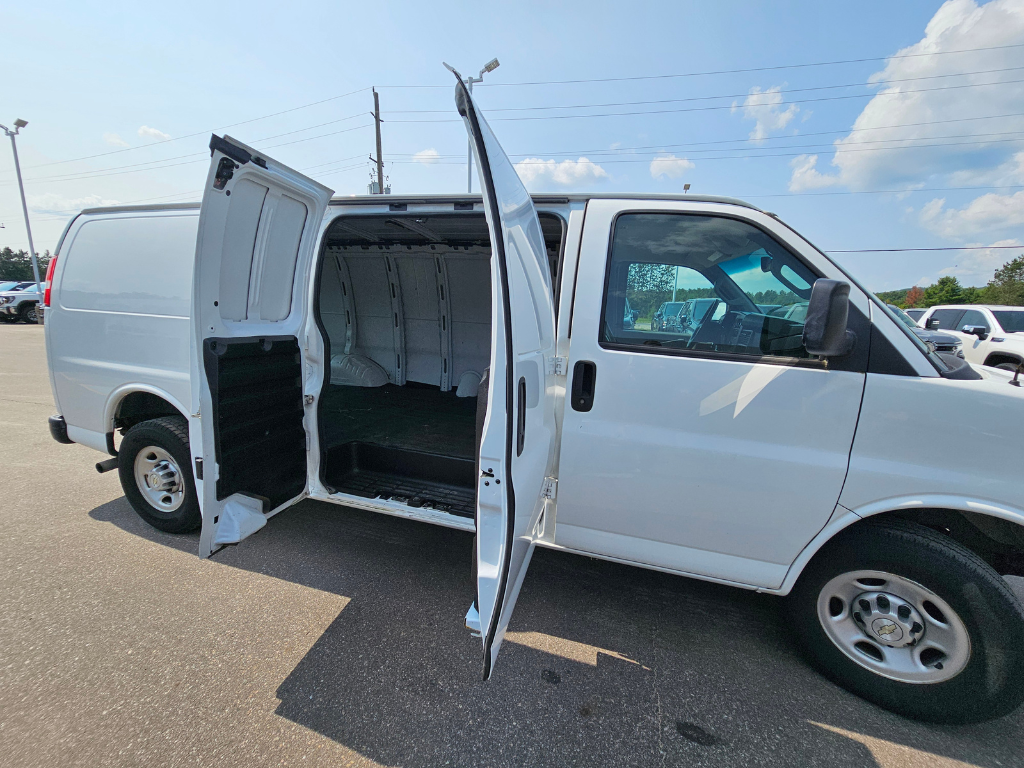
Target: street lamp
[
  {"x": 490, "y": 66},
  {"x": 18, "y": 125}
]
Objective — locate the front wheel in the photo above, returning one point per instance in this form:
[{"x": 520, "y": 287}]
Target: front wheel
[
  {"x": 155, "y": 467},
  {"x": 914, "y": 622},
  {"x": 29, "y": 314}
]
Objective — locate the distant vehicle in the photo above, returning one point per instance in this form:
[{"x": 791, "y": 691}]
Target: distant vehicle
[
  {"x": 991, "y": 335},
  {"x": 667, "y": 316},
  {"x": 915, "y": 314},
  {"x": 942, "y": 342},
  {"x": 768, "y": 308},
  {"x": 695, "y": 312},
  {"x": 19, "y": 302},
  {"x": 629, "y": 316},
  {"x": 7, "y": 285}
]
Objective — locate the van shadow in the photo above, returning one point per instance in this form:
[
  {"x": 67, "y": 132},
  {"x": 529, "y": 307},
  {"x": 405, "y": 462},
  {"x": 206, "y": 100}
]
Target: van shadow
[{"x": 604, "y": 664}]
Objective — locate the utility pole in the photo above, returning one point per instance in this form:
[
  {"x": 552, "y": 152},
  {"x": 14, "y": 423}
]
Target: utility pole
[
  {"x": 380, "y": 158},
  {"x": 18, "y": 125},
  {"x": 490, "y": 66}
]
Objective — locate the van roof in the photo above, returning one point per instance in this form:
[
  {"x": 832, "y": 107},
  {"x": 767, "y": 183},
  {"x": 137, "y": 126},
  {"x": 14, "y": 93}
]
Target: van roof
[{"x": 542, "y": 199}]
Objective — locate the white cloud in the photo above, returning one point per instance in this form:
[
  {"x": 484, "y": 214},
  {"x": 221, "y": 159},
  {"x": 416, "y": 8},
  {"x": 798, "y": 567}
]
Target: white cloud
[
  {"x": 977, "y": 267},
  {"x": 983, "y": 214},
  {"x": 57, "y": 204},
  {"x": 427, "y": 156},
  {"x": 669, "y": 166},
  {"x": 765, "y": 108},
  {"x": 536, "y": 172},
  {"x": 806, "y": 175},
  {"x": 891, "y": 160},
  {"x": 114, "y": 140},
  {"x": 152, "y": 133}
]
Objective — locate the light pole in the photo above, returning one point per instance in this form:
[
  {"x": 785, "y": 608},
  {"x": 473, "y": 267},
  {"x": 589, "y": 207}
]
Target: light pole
[
  {"x": 490, "y": 66},
  {"x": 18, "y": 125}
]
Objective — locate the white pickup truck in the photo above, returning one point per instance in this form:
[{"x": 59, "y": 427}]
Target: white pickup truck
[{"x": 470, "y": 362}]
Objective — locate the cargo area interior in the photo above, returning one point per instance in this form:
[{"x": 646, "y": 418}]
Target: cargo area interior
[{"x": 404, "y": 302}]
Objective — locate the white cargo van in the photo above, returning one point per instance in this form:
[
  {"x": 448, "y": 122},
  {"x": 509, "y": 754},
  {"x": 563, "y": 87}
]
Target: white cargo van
[{"x": 477, "y": 364}]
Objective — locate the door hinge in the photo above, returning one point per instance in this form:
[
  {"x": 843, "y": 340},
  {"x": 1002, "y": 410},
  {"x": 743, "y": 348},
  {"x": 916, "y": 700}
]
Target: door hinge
[
  {"x": 310, "y": 399},
  {"x": 199, "y": 469},
  {"x": 307, "y": 442},
  {"x": 550, "y": 488},
  {"x": 558, "y": 366}
]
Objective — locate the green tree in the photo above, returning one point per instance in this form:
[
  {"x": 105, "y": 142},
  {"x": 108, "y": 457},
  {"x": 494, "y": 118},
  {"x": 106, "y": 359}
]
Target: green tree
[
  {"x": 1007, "y": 286},
  {"x": 16, "y": 265},
  {"x": 946, "y": 291}
]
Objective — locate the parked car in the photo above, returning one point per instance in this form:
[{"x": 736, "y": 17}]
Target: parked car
[
  {"x": 695, "y": 312},
  {"x": 941, "y": 342},
  {"x": 991, "y": 335},
  {"x": 629, "y": 316},
  {"x": 349, "y": 350},
  {"x": 667, "y": 316},
  {"x": 19, "y": 302},
  {"x": 915, "y": 314}
]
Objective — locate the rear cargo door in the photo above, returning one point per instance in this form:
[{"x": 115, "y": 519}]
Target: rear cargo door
[
  {"x": 519, "y": 426},
  {"x": 257, "y": 234}
]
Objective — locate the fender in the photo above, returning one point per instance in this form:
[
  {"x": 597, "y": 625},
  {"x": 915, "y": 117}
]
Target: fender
[{"x": 843, "y": 517}]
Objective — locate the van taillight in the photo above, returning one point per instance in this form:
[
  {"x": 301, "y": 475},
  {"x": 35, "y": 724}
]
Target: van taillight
[{"x": 49, "y": 281}]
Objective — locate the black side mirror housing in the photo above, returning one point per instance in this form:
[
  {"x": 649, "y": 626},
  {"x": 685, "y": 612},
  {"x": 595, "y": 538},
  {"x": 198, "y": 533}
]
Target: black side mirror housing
[
  {"x": 976, "y": 330},
  {"x": 825, "y": 333},
  {"x": 932, "y": 324}
]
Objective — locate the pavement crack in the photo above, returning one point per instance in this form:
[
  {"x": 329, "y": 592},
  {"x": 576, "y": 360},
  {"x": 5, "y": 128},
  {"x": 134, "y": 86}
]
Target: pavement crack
[{"x": 657, "y": 691}]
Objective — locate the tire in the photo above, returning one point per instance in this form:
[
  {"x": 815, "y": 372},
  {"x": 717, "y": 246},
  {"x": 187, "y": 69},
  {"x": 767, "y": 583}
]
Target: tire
[
  {"x": 155, "y": 467},
  {"x": 28, "y": 314},
  {"x": 977, "y": 680}
]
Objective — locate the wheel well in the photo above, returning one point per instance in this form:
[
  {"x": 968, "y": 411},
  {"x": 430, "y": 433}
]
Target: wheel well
[
  {"x": 1001, "y": 357},
  {"x": 998, "y": 542},
  {"x": 136, "y": 407}
]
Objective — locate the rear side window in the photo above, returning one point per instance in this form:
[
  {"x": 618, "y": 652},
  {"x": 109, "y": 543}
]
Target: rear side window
[
  {"x": 140, "y": 264},
  {"x": 945, "y": 319},
  {"x": 742, "y": 292}
]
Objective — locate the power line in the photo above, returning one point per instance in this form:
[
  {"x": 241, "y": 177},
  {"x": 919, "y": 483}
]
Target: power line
[
  {"x": 202, "y": 133},
  {"x": 726, "y": 96},
  {"x": 635, "y": 113},
  {"x": 727, "y": 71}
]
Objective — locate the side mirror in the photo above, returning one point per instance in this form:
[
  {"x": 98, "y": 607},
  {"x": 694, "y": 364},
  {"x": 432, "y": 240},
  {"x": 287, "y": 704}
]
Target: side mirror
[
  {"x": 825, "y": 333},
  {"x": 932, "y": 324},
  {"x": 976, "y": 330}
]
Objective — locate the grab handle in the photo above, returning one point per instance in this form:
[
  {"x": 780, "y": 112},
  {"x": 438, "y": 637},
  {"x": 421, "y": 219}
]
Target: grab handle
[{"x": 584, "y": 380}]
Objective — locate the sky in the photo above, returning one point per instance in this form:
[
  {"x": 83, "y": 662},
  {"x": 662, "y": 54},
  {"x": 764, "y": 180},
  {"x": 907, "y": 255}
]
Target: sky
[{"x": 875, "y": 125}]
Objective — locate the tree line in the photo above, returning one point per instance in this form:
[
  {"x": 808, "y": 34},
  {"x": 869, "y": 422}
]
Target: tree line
[
  {"x": 16, "y": 265},
  {"x": 1006, "y": 287}
]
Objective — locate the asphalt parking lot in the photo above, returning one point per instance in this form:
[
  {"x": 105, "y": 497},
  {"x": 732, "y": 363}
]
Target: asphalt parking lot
[{"x": 334, "y": 637}]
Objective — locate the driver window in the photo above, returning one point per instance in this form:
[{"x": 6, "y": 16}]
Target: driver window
[{"x": 703, "y": 284}]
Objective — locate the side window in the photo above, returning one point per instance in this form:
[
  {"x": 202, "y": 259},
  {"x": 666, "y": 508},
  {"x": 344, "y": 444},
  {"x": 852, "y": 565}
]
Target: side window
[
  {"x": 973, "y": 317},
  {"x": 703, "y": 284},
  {"x": 945, "y": 319}
]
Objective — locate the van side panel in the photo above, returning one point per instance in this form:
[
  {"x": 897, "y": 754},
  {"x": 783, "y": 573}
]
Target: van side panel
[{"x": 119, "y": 315}]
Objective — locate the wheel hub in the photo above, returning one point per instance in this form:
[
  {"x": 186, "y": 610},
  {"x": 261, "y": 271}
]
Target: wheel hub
[
  {"x": 159, "y": 478},
  {"x": 888, "y": 618}
]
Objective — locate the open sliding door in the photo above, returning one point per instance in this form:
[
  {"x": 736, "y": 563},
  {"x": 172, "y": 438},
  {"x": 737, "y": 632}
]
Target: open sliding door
[{"x": 257, "y": 236}]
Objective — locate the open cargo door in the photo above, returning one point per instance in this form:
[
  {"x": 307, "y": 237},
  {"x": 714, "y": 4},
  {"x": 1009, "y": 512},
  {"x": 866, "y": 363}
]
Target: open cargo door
[
  {"x": 518, "y": 435},
  {"x": 257, "y": 233}
]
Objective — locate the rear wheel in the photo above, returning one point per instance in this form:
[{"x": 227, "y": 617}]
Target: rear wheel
[
  {"x": 914, "y": 622},
  {"x": 29, "y": 314},
  {"x": 154, "y": 464}
]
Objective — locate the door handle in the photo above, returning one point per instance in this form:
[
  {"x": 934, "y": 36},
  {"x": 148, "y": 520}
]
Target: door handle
[{"x": 584, "y": 380}]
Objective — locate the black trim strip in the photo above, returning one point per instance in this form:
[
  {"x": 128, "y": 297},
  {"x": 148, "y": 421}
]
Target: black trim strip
[
  {"x": 789, "y": 362},
  {"x": 225, "y": 147},
  {"x": 467, "y": 110}
]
